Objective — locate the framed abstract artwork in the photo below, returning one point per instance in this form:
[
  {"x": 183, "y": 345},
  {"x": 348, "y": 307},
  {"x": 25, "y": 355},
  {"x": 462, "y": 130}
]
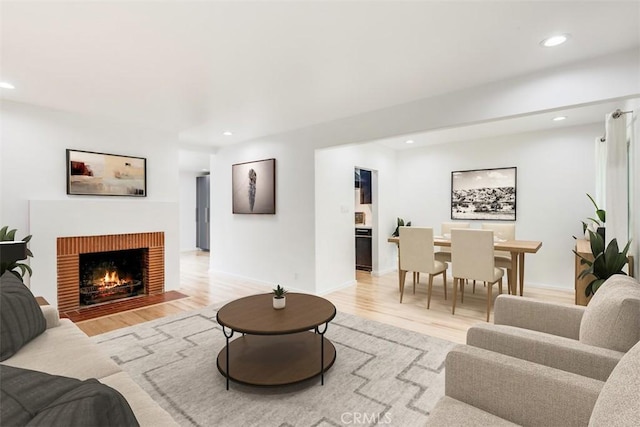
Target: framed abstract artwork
[
  {"x": 254, "y": 187},
  {"x": 486, "y": 194},
  {"x": 100, "y": 174}
]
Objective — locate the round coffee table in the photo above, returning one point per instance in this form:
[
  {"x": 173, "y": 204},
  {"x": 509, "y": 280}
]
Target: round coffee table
[{"x": 277, "y": 347}]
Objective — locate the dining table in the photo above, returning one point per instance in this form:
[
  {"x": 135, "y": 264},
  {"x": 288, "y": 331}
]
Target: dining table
[{"x": 517, "y": 249}]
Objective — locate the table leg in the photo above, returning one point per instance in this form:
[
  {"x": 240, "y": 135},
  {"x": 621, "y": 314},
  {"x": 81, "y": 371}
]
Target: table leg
[
  {"x": 326, "y": 325},
  {"x": 521, "y": 271},
  {"x": 514, "y": 273},
  {"x": 224, "y": 331}
]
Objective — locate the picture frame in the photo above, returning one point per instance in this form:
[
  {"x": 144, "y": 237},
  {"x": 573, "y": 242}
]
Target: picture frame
[
  {"x": 91, "y": 173},
  {"x": 254, "y": 187},
  {"x": 484, "y": 194}
]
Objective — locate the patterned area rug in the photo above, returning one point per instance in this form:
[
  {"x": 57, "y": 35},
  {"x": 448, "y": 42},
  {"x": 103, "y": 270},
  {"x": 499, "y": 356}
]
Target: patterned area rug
[{"x": 382, "y": 375}]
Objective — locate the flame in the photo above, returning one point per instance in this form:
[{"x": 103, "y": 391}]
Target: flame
[{"x": 111, "y": 277}]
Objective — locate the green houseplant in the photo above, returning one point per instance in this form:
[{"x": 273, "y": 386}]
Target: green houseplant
[
  {"x": 597, "y": 224},
  {"x": 279, "y": 297},
  {"x": 606, "y": 261},
  {"x": 7, "y": 235},
  {"x": 400, "y": 223}
]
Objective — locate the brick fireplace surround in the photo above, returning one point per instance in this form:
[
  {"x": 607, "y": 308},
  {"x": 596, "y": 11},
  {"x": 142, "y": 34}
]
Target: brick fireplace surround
[{"x": 68, "y": 260}]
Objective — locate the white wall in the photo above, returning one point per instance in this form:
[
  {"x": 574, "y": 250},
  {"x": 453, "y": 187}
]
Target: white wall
[
  {"x": 270, "y": 249},
  {"x": 188, "y": 210},
  {"x": 33, "y": 170},
  {"x": 334, "y": 212},
  {"x": 282, "y": 248},
  {"x": 555, "y": 170}
]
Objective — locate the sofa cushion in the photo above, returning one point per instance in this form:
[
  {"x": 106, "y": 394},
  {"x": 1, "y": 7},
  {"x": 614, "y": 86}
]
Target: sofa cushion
[
  {"x": 35, "y": 398},
  {"x": 454, "y": 413},
  {"x": 612, "y": 318},
  {"x": 64, "y": 350},
  {"x": 618, "y": 403},
  {"x": 21, "y": 318}
]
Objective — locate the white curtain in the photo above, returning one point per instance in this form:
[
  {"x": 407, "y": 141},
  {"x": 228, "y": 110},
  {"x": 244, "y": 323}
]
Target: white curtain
[
  {"x": 616, "y": 186},
  {"x": 601, "y": 172}
]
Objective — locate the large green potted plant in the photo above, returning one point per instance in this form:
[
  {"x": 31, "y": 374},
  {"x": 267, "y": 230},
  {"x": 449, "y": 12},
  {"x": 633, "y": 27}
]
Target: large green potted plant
[
  {"x": 7, "y": 235},
  {"x": 606, "y": 261}
]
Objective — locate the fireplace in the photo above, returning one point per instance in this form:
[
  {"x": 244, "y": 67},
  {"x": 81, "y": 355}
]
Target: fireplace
[
  {"x": 111, "y": 275},
  {"x": 100, "y": 269}
]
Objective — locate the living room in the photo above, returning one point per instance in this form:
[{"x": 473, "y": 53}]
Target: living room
[{"x": 122, "y": 95}]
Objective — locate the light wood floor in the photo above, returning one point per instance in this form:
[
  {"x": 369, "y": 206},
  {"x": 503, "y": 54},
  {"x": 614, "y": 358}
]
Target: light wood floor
[{"x": 375, "y": 298}]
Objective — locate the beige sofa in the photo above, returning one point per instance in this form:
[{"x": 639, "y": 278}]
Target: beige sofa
[{"x": 63, "y": 349}]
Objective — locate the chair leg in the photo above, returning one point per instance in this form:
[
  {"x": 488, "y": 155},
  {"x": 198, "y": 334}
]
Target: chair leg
[
  {"x": 429, "y": 290},
  {"x": 461, "y": 292},
  {"x": 500, "y": 286},
  {"x": 444, "y": 278},
  {"x": 403, "y": 277},
  {"x": 474, "y": 286},
  {"x": 489, "y": 288},
  {"x": 414, "y": 282},
  {"x": 455, "y": 295},
  {"x": 509, "y": 281}
]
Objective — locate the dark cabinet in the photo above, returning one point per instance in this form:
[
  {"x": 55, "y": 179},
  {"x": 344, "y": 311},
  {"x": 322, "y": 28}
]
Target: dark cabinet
[
  {"x": 365, "y": 187},
  {"x": 202, "y": 212},
  {"x": 363, "y": 249}
]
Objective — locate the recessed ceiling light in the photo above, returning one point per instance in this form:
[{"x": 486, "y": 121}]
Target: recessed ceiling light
[
  {"x": 555, "y": 40},
  {"x": 559, "y": 118},
  {"x": 5, "y": 85},
  {"x": 205, "y": 170},
  {"x": 227, "y": 133},
  {"x": 411, "y": 141}
]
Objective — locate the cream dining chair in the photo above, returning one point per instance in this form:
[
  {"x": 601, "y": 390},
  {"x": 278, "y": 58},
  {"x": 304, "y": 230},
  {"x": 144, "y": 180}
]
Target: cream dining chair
[
  {"x": 502, "y": 231},
  {"x": 416, "y": 254},
  {"x": 472, "y": 258},
  {"x": 444, "y": 253}
]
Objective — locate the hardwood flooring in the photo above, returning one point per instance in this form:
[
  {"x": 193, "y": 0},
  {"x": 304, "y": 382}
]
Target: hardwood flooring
[{"x": 374, "y": 298}]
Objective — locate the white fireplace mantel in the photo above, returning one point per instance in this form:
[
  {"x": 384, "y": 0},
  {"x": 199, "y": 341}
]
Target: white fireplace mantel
[{"x": 50, "y": 219}]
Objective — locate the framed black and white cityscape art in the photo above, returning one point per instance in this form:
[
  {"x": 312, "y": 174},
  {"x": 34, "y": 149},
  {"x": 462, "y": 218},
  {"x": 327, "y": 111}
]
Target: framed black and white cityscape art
[
  {"x": 100, "y": 174},
  {"x": 254, "y": 187},
  {"x": 486, "y": 194}
]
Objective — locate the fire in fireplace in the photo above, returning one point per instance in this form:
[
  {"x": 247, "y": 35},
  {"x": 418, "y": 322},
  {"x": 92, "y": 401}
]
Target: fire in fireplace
[{"x": 107, "y": 276}]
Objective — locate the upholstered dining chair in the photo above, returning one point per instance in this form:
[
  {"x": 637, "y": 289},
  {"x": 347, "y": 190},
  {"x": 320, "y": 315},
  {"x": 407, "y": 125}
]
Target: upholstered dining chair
[
  {"x": 444, "y": 253},
  {"x": 502, "y": 231},
  {"x": 472, "y": 258},
  {"x": 416, "y": 254}
]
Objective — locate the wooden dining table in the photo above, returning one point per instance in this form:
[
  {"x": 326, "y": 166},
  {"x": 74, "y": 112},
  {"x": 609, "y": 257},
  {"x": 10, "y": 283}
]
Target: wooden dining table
[{"x": 517, "y": 248}]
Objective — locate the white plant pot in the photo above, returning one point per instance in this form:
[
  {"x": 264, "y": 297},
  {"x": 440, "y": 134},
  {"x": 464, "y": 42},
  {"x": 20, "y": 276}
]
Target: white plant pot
[{"x": 279, "y": 303}]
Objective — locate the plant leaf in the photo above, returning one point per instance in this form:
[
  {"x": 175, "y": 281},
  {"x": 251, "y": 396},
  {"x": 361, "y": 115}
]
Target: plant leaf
[
  {"x": 597, "y": 243},
  {"x": 596, "y": 284},
  {"x": 11, "y": 235},
  {"x": 3, "y": 232}
]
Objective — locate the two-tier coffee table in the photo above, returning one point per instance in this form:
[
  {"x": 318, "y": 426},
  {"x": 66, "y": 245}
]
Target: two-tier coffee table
[{"x": 277, "y": 347}]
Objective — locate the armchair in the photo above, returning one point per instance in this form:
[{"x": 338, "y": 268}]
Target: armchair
[
  {"x": 483, "y": 388},
  {"x": 588, "y": 341}
]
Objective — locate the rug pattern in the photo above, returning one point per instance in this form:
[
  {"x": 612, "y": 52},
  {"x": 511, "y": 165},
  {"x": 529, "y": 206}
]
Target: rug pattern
[{"x": 382, "y": 375}]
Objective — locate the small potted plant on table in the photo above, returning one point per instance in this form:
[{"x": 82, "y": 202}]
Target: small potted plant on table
[{"x": 279, "y": 297}]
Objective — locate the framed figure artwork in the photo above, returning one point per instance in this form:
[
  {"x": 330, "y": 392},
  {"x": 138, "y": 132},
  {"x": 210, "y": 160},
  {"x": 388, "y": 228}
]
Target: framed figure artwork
[{"x": 254, "y": 187}]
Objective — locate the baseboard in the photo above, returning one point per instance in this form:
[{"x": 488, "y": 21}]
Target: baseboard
[
  {"x": 383, "y": 272},
  {"x": 337, "y": 288}
]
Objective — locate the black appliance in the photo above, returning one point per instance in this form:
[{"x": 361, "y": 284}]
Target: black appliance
[{"x": 363, "y": 249}]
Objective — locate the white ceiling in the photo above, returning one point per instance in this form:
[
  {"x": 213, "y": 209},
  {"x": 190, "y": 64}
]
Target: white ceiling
[{"x": 260, "y": 68}]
